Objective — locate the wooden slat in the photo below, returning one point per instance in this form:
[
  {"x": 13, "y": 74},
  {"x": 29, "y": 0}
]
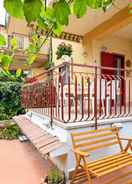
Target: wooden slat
[
  {"x": 114, "y": 169},
  {"x": 114, "y": 165},
  {"x": 100, "y": 146},
  {"x": 94, "y": 136},
  {"x": 92, "y": 140},
  {"x": 105, "y": 159},
  {"x": 96, "y": 142},
  {"x": 43, "y": 141},
  {"x": 110, "y": 162},
  {"x": 50, "y": 147},
  {"x": 46, "y": 142},
  {"x": 93, "y": 131},
  {"x": 43, "y": 138}
]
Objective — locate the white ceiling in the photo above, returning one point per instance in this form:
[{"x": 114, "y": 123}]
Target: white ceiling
[
  {"x": 125, "y": 32},
  {"x": 93, "y": 18}
]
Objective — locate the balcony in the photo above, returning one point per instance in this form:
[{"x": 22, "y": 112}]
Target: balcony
[
  {"x": 19, "y": 55},
  {"x": 73, "y": 93}
]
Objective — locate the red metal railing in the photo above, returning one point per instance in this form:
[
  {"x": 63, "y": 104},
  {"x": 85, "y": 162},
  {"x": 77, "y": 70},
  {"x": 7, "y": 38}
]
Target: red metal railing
[{"x": 83, "y": 93}]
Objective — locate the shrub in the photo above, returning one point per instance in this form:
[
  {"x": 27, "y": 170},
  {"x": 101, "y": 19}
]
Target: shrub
[
  {"x": 55, "y": 177},
  {"x": 10, "y": 104},
  {"x": 10, "y": 131}
]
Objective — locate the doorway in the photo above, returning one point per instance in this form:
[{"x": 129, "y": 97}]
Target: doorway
[{"x": 113, "y": 60}]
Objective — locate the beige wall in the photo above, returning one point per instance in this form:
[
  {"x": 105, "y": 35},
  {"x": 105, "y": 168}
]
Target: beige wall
[
  {"x": 17, "y": 26},
  {"x": 113, "y": 45},
  {"x": 77, "y": 55},
  {"x": 36, "y": 71}
]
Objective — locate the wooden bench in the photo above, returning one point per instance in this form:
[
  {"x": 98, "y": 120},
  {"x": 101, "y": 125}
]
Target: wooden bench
[
  {"x": 84, "y": 143},
  {"x": 41, "y": 139}
]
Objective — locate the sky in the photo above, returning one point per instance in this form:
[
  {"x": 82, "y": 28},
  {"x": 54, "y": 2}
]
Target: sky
[{"x": 2, "y": 13}]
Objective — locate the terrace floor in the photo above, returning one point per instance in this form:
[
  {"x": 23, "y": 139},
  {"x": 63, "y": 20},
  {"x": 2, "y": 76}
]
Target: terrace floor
[{"x": 20, "y": 163}]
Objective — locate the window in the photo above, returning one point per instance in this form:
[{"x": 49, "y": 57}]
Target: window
[{"x": 20, "y": 42}]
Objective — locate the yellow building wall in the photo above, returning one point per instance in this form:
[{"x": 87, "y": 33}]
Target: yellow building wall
[
  {"x": 112, "y": 45},
  {"x": 37, "y": 71},
  {"x": 77, "y": 55}
]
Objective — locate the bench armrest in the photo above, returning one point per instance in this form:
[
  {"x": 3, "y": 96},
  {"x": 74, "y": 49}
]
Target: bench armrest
[
  {"x": 126, "y": 139},
  {"x": 129, "y": 144},
  {"x": 81, "y": 153}
]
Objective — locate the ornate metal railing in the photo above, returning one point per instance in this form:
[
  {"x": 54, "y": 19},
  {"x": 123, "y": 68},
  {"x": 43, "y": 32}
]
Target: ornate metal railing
[{"x": 76, "y": 93}]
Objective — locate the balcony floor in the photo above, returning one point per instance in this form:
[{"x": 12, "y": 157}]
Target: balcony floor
[{"x": 57, "y": 113}]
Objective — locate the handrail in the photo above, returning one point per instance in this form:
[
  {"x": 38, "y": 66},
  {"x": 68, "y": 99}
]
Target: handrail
[{"x": 83, "y": 95}]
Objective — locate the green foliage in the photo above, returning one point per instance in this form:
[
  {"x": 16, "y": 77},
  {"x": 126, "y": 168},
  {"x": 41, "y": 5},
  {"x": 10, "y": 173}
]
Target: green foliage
[
  {"x": 10, "y": 131},
  {"x": 130, "y": 6},
  {"x": 14, "y": 8},
  {"x": 2, "y": 40},
  {"x": 62, "y": 12},
  {"x": 10, "y": 104},
  {"x": 18, "y": 72},
  {"x": 49, "y": 20},
  {"x": 55, "y": 16},
  {"x": 64, "y": 49},
  {"x": 13, "y": 44},
  {"x": 6, "y": 75},
  {"x": 80, "y": 7},
  {"x": 32, "y": 9},
  {"x": 5, "y": 60},
  {"x": 55, "y": 176}
]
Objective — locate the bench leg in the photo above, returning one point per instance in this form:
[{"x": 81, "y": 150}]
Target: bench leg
[
  {"x": 74, "y": 175},
  {"x": 87, "y": 172},
  {"x": 88, "y": 176}
]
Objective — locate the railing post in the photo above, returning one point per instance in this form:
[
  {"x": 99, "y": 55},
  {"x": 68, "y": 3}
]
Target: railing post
[
  {"x": 51, "y": 98},
  {"x": 95, "y": 98}
]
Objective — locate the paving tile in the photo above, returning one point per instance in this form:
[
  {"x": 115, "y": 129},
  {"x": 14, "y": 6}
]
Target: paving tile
[{"x": 20, "y": 163}]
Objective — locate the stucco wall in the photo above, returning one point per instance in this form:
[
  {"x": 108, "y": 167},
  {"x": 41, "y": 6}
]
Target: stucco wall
[
  {"x": 78, "y": 51},
  {"x": 113, "y": 45}
]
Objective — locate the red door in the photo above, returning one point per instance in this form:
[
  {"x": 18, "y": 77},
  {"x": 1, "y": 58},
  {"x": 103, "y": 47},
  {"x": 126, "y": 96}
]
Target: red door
[
  {"x": 107, "y": 60},
  {"x": 111, "y": 60}
]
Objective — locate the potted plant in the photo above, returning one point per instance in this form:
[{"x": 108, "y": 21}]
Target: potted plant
[
  {"x": 64, "y": 52},
  {"x": 55, "y": 176}
]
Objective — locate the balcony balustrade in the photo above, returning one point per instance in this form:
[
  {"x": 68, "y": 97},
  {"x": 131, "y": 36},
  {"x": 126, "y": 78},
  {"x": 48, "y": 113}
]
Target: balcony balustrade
[{"x": 78, "y": 93}]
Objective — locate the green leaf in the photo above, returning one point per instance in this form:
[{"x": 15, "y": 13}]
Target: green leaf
[
  {"x": 62, "y": 12},
  {"x": 32, "y": 9},
  {"x": 6, "y": 61},
  {"x": 80, "y": 7},
  {"x": 49, "y": 13},
  {"x": 13, "y": 43},
  {"x": 18, "y": 72},
  {"x": 31, "y": 58},
  {"x": 57, "y": 29},
  {"x": 2, "y": 40},
  {"x": 14, "y": 8}
]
